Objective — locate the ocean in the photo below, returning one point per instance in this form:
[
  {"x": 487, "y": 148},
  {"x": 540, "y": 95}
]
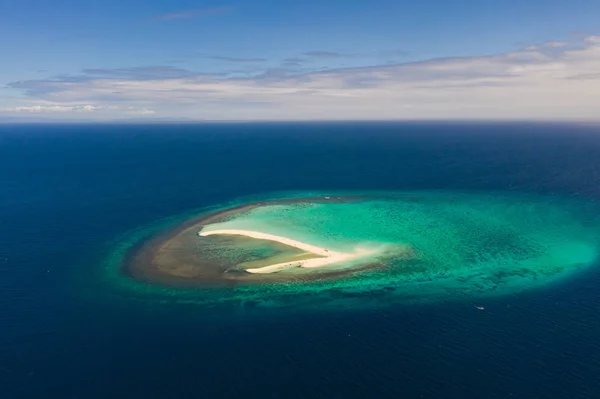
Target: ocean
[{"x": 71, "y": 194}]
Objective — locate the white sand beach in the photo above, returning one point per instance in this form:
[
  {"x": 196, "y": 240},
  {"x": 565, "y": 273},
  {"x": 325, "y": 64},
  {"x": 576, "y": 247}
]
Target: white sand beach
[{"x": 328, "y": 257}]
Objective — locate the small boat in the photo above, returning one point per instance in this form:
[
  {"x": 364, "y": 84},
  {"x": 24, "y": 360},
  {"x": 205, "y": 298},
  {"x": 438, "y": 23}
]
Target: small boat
[{"x": 479, "y": 307}]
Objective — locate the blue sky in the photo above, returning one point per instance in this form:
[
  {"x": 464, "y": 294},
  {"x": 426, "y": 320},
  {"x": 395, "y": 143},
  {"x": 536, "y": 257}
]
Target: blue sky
[{"x": 305, "y": 60}]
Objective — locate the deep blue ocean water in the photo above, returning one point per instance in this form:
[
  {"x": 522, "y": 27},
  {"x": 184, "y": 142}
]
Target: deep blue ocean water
[{"x": 68, "y": 192}]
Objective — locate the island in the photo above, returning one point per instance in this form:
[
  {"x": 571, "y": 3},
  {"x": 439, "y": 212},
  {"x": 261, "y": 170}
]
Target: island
[
  {"x": 193, "y": 253},
  {"x": 323, "y": 256}
]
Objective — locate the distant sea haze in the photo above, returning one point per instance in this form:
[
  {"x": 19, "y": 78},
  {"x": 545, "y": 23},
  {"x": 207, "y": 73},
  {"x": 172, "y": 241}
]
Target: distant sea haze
[{"x": 76, "y": 196}]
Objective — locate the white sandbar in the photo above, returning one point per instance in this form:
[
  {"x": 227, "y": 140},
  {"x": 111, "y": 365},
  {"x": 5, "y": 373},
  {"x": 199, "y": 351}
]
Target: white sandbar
[{"x": 328, "y": 257}]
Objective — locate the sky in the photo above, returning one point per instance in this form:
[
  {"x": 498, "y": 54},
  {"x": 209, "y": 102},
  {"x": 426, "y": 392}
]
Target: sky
[{"x": 245, "y": 60}]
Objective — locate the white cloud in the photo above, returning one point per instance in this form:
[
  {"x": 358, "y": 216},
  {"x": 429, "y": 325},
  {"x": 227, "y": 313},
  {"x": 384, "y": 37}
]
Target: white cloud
[
  {"x": 555, "y": 80},
  {"x": 592, "y": 39},
  {"x": 142, "y": 111},
  {"x": 78, "y": 111},
  {"x": 51, "y": 108},
  {"x": 556, "y": 43}
]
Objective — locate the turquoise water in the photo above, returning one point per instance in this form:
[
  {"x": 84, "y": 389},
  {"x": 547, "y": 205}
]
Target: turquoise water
[{"x": 473, "y": 244}]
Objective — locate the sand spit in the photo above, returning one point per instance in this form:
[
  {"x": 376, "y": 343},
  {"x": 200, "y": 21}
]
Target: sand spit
[{"x": 327, "y": 257}]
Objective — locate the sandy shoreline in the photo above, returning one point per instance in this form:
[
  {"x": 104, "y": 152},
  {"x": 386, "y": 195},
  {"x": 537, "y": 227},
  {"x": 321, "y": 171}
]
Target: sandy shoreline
[
  {"x": 171, "y": 257},
  {"x": 327, "y": 257}
]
